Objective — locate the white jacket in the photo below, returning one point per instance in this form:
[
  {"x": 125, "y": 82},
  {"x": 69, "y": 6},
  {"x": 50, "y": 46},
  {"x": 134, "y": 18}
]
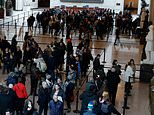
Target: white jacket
[
  {"x": 128, "y": 73},
  {"x": 40, "y": 64}
]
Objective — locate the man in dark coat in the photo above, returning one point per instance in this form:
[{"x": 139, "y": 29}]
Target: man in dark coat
[
  {"x": 5, "y": 44},
  {"x": 113, "y": 81},
  {"x": 96, "y": 62},
  {"x": 43, "y": 98},
  {"x": 56, "y": 106},
  {"x": 5, "y": 101},
  {"x": 14, "y": 44},
  {"x": 13, "y": 98}
]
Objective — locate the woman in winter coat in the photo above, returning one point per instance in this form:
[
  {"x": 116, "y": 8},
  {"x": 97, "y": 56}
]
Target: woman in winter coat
[
  {"x": 57, "y": 91},
  {"x": 107, "y": 108},
  {"x": 128, "y": 75},
  {"x": 132, "y": 64},
  {"x": 28, "y": 108}
]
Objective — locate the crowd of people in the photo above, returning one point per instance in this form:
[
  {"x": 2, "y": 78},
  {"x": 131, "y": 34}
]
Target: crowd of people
[
  {"x": 46, "y": 66},
  {"x": 86, "y": 22}
]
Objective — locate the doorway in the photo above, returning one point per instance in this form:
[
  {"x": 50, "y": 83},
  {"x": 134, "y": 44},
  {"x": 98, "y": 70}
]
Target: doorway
[
  {"x": 44, "y": 3},
  {"x": 14, "y": 4},
  {"x": 131, "y": 5}
]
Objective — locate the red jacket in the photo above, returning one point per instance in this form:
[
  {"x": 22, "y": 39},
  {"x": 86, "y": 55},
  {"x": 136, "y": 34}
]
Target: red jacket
[{"x": 20, "y": 90}]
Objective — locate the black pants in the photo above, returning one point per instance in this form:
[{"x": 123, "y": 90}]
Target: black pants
[
  {"x": 43, "y": 107},
  {"x": 117, "y": 38},
  {"x": 112, "y": 94},
  {"x": 20, "y": 106},
  {"x": 68, "y": 104},
  {"x": 34, "y": 83}
]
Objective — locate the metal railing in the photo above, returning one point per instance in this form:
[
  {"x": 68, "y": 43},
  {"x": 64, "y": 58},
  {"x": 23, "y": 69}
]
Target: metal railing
[
  {"x": 82, "y": 83},
  {"x": 5, "y": 20}
]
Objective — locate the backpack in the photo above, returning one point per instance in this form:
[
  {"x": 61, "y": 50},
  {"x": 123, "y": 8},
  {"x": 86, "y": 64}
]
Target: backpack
[
  {"x": 11, "y": 79},
  {"x": 105, "y": 107}
]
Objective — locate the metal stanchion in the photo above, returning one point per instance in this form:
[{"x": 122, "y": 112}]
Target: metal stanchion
[
  {"x": 126, "y": 98},
  {"x": 18, "y": 17},
  {"x": 15, "y": 27},
  {"x": 3, "y": 22},
  {"x": 12, "y": 19},
  {"x": 104, "y": 56},
  {"x": 28, "y": 13},
  {"x": 24, "y": 14},
  {"x": 23, "y": 19},
  {"x": 8, "y": 26}
]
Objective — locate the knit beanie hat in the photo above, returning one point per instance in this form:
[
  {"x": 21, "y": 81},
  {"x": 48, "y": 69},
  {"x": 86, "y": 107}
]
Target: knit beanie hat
[{"x": 90, "y": 105}]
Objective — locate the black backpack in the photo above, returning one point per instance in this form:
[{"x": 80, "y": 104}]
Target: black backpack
[{"x": 105, "y": 107}]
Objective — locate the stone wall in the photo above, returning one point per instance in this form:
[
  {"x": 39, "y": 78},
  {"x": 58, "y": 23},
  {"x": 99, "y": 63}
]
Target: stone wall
[{"x": 106, "y": 4}]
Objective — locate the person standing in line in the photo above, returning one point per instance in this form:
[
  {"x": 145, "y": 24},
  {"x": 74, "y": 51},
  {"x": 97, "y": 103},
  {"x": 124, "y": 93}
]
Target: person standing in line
[
  {"x": 6, "y": 61},
  {"x": 113, "y": 80},
  {"x": 96, "y": 62},
  {"x": 132, "y": 64},
  {"x": 116, "y": 66},
  {"x": 43, "y": 98},
  {"x": 69, "y": 95},
  {"x": 21, "y": 93},
  {"x": 56, "y": 106},
  {"x": 90, "y": 109},
  {"x": 107, "y": 108},
  {"x": 117, "y": 32},
  {"x": 18, "y": 57},
  {"x": 128, "y": 78}
]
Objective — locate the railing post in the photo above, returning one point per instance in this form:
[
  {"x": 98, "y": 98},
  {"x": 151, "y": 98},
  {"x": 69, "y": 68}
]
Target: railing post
[
  {"x": 12, "y": 19},
  {"x": 126, "y": 98},
  {"x": 3, "y": 22},
  {"x": 28, "y": 13},
  {"x": 23, "y": 19},
  {"x": 18, "y": 17},
  {"x": 15, "y": 27},
  {"x": 8, "y": 26},
  {"x": 104, "y": 56},
  {"x": 24, "y": 14}
]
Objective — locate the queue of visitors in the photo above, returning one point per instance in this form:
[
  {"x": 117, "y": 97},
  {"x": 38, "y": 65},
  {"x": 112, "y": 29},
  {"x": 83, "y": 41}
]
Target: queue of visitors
[{"x": 46, "y": 66}]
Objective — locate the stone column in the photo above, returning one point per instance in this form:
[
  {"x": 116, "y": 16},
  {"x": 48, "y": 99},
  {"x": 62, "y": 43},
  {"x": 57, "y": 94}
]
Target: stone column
[{"x": 152, "y": 19}]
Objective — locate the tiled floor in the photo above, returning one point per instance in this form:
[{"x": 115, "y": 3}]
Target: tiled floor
[{"x": 129, "y": 48}]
